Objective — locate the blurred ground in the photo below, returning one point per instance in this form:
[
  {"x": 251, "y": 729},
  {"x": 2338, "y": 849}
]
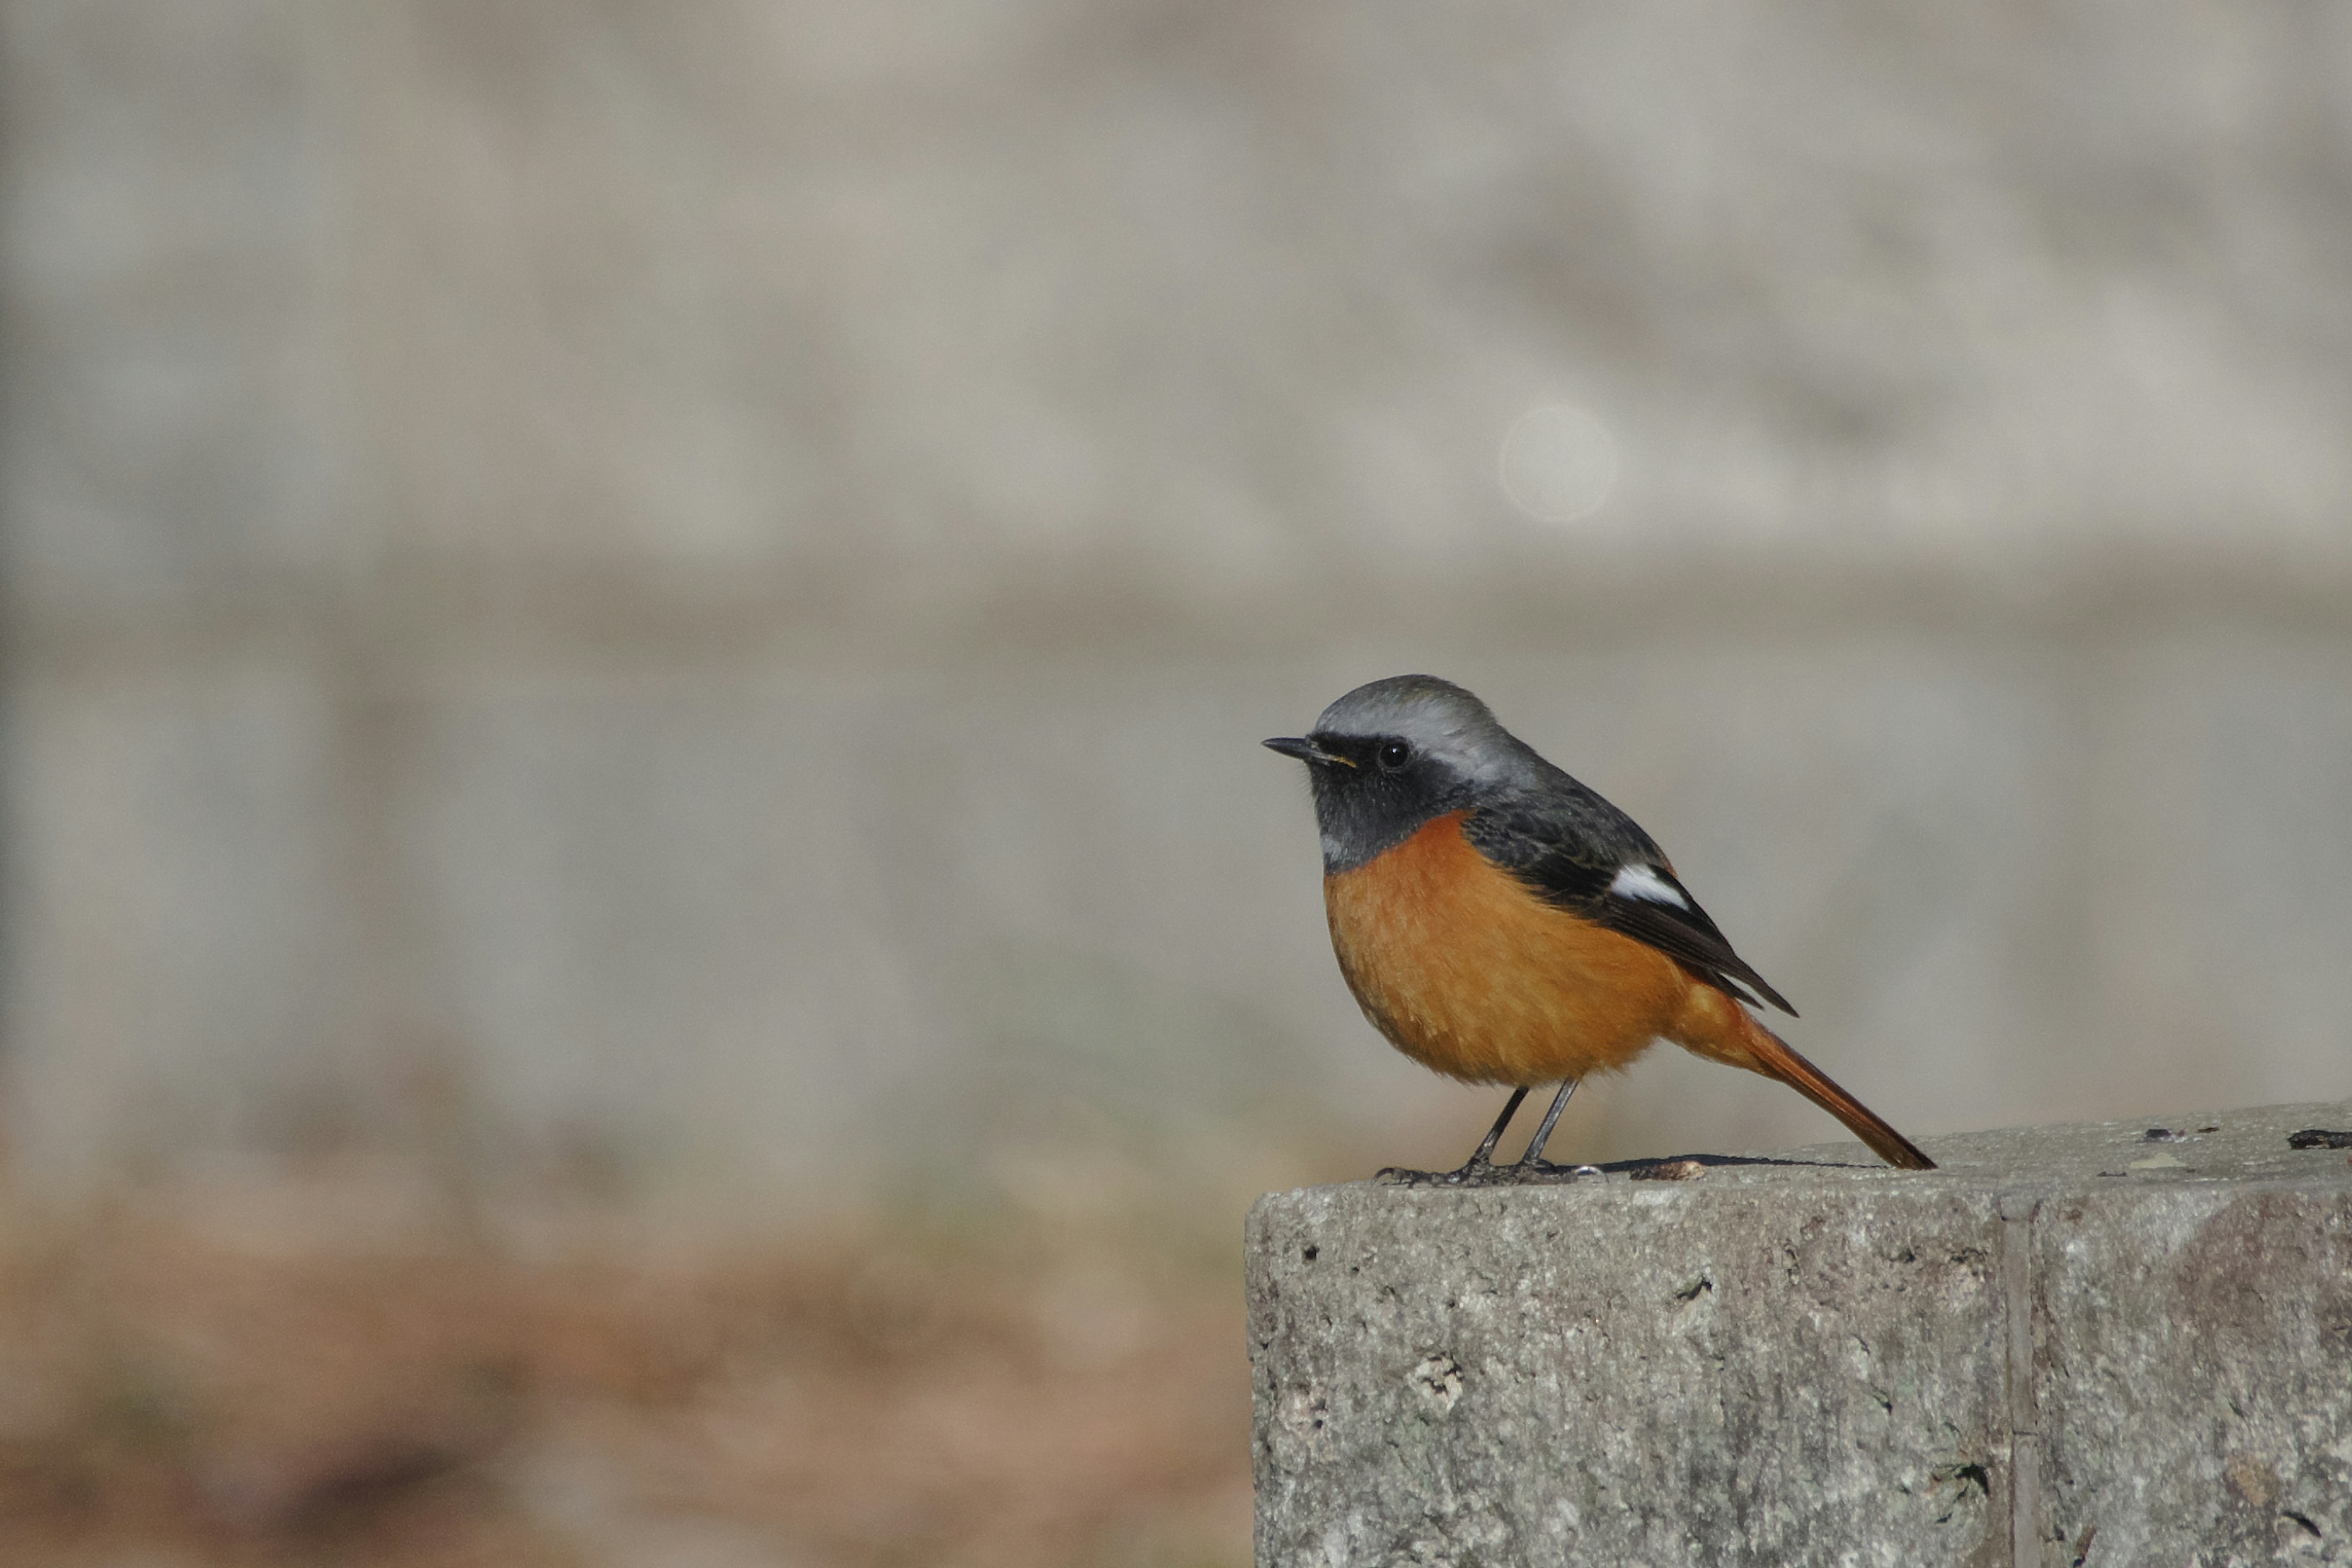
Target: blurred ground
[{"x": 325, "y": 1367}]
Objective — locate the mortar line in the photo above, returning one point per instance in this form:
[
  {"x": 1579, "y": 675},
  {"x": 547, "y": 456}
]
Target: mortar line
[{"x": 2016, "y": 1212}]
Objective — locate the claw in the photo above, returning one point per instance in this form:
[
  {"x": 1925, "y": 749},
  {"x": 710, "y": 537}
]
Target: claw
[
  {"x": 1543, "y": 1172},
  {"x": 1474, "y": 1173}
]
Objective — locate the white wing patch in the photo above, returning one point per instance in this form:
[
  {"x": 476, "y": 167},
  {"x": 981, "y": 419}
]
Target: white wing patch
[{"x": 1640, "y": 882}]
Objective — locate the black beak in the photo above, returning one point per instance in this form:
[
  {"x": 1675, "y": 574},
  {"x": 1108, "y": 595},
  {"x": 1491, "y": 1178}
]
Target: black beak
[{"x": 1305, "y": 751}]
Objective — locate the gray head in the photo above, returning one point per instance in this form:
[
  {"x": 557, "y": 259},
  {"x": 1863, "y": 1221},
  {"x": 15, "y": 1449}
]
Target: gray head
[{"x": 1390, "y": 756}]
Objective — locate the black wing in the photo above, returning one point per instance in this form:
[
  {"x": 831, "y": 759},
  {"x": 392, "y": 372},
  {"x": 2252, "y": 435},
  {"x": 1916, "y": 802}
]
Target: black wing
[{"x": 1583, "y": 854}]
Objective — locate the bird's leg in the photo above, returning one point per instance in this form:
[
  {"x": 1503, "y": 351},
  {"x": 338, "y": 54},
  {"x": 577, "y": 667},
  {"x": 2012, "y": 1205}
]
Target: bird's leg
[
  {"x": 1495, "y": 1133},
  {"x": 1531, "y": 1164},
  {"x": 1475, "y": 1169}
]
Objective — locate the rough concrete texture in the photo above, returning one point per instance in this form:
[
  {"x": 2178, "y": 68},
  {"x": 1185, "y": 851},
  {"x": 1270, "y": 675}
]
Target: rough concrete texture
[{"x": 2072, "y": 1347}]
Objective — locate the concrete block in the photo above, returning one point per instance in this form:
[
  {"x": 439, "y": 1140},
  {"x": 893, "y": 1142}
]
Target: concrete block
[
  {"x": 2194, "y": 1348},
  {"x": 2073, "y": 1345}
]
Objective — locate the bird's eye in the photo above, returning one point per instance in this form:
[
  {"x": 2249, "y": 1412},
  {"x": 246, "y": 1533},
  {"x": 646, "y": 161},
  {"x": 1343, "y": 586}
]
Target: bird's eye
[{"x": 1394, "y": 754}]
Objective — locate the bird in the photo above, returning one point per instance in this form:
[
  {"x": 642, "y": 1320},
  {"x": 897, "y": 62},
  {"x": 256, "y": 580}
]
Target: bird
[{"x": 1501, "y": 923}]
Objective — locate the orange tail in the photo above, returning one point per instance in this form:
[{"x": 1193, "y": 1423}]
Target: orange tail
[
  {"x": 1772, "y": 1055},
  {"x": 1712, "y": 1025}
]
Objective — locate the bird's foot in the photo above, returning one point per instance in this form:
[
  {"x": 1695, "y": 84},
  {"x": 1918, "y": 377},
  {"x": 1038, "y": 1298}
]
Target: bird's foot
[
  {"x": 1544, "y": 1173},
  {"x": 1475, "y": 1172},
  {"x": 1486, "y": 1174}
]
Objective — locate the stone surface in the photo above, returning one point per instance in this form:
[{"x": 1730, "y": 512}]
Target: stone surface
[
  {"x": 2194, "y": 1348},
  {"x": 2072, "y": 1346}
]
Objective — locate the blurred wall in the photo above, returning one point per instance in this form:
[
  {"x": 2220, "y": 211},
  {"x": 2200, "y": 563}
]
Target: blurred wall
[{"x": 684, "y": 594}]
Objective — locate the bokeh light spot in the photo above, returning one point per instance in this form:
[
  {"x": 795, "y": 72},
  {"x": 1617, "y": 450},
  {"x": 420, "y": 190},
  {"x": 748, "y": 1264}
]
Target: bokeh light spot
[{"x": 1559, "y": 463}]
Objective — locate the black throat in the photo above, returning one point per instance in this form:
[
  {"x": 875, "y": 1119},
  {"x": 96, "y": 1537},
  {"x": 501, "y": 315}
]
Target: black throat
[{"x": 1365, "y": 810}]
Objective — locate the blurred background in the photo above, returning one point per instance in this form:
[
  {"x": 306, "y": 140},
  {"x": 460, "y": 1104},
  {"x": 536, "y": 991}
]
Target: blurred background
[{"x": 642, "y": 919}]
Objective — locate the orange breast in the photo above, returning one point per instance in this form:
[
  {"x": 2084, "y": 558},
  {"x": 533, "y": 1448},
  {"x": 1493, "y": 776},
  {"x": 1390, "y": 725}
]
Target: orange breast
[{"x": 1468, "y": 972}]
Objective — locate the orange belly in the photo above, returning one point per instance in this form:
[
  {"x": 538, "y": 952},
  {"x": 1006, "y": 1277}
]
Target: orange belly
[{"x": 1468, "y": 972}]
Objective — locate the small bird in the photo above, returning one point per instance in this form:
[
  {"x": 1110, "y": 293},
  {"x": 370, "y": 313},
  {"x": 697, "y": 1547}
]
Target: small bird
[{"x": 1502, "y": 923}]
